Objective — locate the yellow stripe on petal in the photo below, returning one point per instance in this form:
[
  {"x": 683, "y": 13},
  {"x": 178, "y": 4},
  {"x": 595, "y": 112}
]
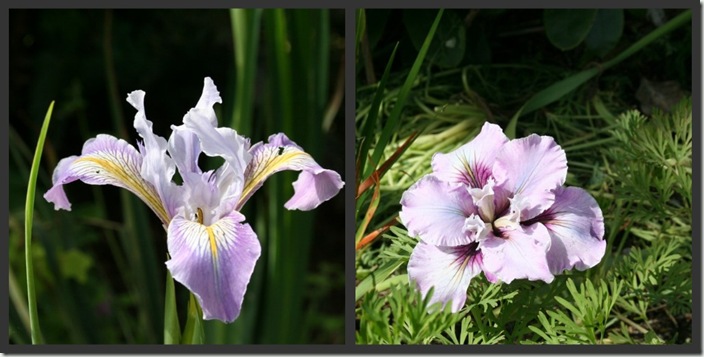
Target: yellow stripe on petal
[
  {"x": 263, "y": 166},
  {"x": 211, "y": 237},
  {"x": 218, "y": 284},
  {"x": 120, "y": 171}
]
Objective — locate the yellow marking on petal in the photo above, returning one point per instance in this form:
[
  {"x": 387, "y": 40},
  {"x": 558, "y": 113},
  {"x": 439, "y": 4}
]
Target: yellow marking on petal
[
  {"x": 211, "y": 237},
  {"x": 267, "y": 167},
  {"x": 133, "y": 182}
]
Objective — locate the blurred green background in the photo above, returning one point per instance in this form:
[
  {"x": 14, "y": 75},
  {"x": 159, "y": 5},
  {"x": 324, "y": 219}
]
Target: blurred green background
[{"x": 99, "y": 269}]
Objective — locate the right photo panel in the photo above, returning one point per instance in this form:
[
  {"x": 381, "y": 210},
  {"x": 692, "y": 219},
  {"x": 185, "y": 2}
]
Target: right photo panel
[{"x": 523, "y": 176}]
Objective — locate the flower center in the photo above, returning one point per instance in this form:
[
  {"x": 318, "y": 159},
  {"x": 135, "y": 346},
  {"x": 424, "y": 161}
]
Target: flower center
[{"x": 484, "y": 201}]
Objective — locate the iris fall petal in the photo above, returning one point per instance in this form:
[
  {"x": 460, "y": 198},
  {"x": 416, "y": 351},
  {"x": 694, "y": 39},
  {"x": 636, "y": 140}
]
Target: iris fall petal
[
  {"x": 576, "y": 227},
  {"x": 315, "y": 184},
  {"x": 518, "y": 256},
  {"x": 446, "y": 269},
  {"x": 215, "y": 262},
  {"x": 436, "y": 212}
]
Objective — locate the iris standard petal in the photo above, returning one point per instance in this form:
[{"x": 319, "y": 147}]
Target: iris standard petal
[
  {"x": 471, "y": 163},
  {"x": 214, "y": 262},
  {"x": 436, "y": 211},
  {"x": 208, "y": 98},
  {"x": 483, "y": 199},
  {"x": 105, "y": 160},
  {"x": 157, "y": 167},
  {"x": 447, "y": 269},
  {"x": 314, "y": 186},
  {"x": 223, "y": 142},
  {"x": 519, "y": 254},
  {"x": 531, "y": 167},
  {"x": 576, "y": 227},
  {"x": 184, "y": 149}
]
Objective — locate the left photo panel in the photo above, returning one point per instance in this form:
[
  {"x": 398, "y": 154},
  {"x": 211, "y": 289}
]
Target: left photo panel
[{"x": 176, "y": 176}]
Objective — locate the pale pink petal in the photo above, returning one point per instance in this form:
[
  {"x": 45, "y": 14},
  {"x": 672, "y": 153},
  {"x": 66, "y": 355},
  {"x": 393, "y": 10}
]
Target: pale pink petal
[
  {"x": 576, "y": 227},
  {"x": 518, "y": 254},
  {"x": 531, "y": 167},
  {"x": 471, "y": 163},
  {"x": 437, "y": 211},
  {"x": 214, "y": 262},
  {"x": 446, "y": 269}
]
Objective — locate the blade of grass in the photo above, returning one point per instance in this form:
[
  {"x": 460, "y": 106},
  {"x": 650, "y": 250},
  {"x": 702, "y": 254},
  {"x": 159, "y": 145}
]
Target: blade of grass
[
  {"x": 376, "y": 233},
  {"x": 375, "y": 278},
  {"x": 29, "y": 216},
  {"x": 310, "y": 39},
  {"x": 369, "y": 124},
  {"x": 395, "y": 116},
  {"x": 193, "y": 331},
  {"x": 386, "y": 165},
  {"x": 373, "y": 204},
  {"x": 245, "y": 35},
  {"x": 278, "y": 45},
  {"x": 360, "y": 30},
  {"x": 336, "y": 101}
]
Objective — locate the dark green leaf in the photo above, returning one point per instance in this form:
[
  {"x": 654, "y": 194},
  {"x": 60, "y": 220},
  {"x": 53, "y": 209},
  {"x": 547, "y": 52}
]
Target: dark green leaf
[
  {"x": 606, "y": 31},
  {"x": 567, "y": 28}
]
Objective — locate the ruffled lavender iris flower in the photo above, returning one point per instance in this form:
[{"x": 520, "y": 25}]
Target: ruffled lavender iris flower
[
  {"x": 213, "y": 252},
  {"x": 498, "y": 206}
]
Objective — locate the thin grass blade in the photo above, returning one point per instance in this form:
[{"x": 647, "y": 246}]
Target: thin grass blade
[
  {"x": 395, "y": 116},
  {"x": 29, "y": 217},
  {"x": 367, "y": 131},
  {"x": 193, "y": 331}
]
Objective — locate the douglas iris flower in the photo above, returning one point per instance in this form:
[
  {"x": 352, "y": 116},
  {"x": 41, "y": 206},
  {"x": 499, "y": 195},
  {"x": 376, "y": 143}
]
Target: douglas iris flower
[
  {"x": 212, "y": 250},
  {"x": 498, "y": 206}
]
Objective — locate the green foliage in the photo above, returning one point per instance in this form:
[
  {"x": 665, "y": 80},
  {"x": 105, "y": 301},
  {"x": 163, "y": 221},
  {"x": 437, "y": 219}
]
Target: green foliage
[
  {"x": 654, "y": 169},
  {"x": 657, "y": 277},
  {"x": 587, "y": 316},
  {"x": 401, "y": 317},
  {"x": 390, "y": 259}
]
